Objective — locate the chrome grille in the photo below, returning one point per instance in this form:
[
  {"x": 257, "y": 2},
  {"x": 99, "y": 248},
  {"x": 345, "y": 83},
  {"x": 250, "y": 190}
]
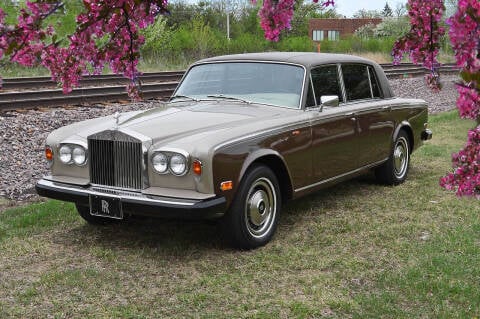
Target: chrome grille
[{"x": 116, "y": 159}]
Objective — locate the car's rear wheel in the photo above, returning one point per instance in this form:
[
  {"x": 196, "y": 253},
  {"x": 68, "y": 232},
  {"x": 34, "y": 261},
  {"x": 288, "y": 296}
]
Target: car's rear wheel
[
  {"x": 252, "y": 218},
  {"x": 394, "y": 171},
  {"x": 84, "y": 212}
]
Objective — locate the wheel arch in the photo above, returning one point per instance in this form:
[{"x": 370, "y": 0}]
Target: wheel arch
[
  {"x": 276, "y": 163},
  {"x": 407, "y": 128}
]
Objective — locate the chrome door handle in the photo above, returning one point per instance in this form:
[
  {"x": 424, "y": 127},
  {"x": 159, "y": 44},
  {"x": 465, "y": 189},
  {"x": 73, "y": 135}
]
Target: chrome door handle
[{"x": 351, "y": 115}]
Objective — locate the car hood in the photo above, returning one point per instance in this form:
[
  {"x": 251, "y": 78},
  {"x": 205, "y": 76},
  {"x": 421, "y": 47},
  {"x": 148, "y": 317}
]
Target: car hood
[{"x": 177, "y": 120}]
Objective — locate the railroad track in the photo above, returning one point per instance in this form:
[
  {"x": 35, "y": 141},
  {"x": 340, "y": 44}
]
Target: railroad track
[{"x": 35, "y": 92}]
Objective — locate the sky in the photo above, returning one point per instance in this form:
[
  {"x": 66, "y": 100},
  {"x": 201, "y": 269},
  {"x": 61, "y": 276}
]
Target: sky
[{"x": 349, "y": 7}]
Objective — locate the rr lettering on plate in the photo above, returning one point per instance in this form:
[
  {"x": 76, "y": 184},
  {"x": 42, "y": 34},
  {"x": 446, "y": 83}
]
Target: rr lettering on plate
[{"x": 105, "y": 209}]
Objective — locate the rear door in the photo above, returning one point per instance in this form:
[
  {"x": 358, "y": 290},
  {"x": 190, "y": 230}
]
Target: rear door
[{"x": 372, "y": 113}]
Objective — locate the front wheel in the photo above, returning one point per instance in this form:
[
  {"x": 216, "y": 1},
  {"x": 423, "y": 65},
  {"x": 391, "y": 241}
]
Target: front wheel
[
  {"x": 252, "y": 218},
  {"x": 394, "y": 170}
]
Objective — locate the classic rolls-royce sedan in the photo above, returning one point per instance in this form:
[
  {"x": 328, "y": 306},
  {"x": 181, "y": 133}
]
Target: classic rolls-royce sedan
[{"x": 241, "y": 135}]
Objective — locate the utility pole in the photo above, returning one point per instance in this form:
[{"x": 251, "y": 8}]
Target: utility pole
[
  {"x": 228, "y": 19},
  {"x": 228, "y": 25}
]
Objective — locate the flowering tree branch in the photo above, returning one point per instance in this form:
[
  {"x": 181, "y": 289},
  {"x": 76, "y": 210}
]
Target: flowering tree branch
[
  {"x": 422, "y": 43},
  {"x": 106, "y": 34}
]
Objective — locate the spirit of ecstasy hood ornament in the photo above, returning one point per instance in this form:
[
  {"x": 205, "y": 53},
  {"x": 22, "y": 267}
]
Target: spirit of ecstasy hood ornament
[{"x": 116, "y": 116}]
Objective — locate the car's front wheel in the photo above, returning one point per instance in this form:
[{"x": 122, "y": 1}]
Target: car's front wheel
[
  {"x": 394, "y": 171},
  {"x": 84, "y": 212},
  {"x": 252, "y": 218}
]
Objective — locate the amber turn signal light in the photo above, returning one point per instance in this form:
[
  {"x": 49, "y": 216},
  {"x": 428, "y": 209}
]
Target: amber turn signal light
[
  {"x": 227, "y": 185},
  {"x": 48, "y": 153},
  {"x": 197, "y": 167}
]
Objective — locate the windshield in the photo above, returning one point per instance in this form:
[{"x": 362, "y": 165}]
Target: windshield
[{"x": 253, "y": 82}]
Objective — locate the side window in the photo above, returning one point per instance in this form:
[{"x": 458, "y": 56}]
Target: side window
[
  {"x": 356, "y": 80},
  {"x": 325, "y": 82},
  {"x": 374, "y": 81}
]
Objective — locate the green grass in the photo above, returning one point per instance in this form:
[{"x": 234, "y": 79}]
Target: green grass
[{"x": 356, "y": 250}]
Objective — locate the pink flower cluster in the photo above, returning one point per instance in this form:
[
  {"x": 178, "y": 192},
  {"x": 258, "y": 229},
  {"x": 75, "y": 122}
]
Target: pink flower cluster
[
  {"x": 465, "y": 37},
  {"x": 275, "y": 16},
  {"x": 422, "y": 42},
  {"x": 465, "y": 179}
]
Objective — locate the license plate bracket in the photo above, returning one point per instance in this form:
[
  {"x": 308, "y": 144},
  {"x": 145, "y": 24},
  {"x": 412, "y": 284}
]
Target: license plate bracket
[{"x": 109, "y": 207}]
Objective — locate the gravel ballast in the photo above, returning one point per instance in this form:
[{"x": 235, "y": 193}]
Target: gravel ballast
[{"x": 22, "y": 134}]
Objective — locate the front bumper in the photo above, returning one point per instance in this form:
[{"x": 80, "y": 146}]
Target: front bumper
[{"x": 134, "y": 203}]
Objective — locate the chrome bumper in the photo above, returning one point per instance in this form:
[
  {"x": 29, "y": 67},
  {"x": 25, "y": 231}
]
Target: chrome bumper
[{"x": 134, "y": 203}]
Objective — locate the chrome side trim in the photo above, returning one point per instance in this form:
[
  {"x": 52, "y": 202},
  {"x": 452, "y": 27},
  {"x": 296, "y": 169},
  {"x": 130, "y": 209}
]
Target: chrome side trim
[{"x": 331, "y": 179}]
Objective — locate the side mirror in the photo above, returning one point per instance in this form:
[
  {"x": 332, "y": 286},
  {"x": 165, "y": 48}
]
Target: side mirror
[{"x": 329, "y": 100}]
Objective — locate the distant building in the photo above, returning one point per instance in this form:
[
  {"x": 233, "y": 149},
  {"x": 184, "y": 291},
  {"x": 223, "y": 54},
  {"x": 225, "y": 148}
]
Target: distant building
[{"x": 334, "y": 29}]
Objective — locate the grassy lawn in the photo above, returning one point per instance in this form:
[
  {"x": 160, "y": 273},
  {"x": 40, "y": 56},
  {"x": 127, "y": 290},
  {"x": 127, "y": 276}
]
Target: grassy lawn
[{"x": 357, "y": 250}]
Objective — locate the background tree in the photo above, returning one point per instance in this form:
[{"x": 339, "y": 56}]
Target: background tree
[
  {"x": 367, "y": 14},
  {"x": 400, "y": 10},
  {"x": 387, "y": 11}
]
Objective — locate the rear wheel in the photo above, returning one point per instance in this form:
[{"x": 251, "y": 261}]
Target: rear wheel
[
  {"x": 252, "y": 218},
  {"x": 84, "y": 212},
  {"x": 394, "y": 171}
]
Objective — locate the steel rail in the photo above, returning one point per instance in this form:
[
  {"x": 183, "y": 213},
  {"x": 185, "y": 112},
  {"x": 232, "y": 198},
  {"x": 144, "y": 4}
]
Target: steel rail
[
  {"x": 115, "y": 91},
  {"x": 54, "y": 98},
  {"x": 91, "y": 80}
]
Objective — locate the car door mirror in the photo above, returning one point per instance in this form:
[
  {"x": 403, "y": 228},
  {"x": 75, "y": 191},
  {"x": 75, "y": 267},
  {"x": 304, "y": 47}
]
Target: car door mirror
[{"x": 329, "y": 100}]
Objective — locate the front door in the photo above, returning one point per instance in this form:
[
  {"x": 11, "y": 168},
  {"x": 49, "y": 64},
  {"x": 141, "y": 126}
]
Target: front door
[{"x": 334, "y": 135}]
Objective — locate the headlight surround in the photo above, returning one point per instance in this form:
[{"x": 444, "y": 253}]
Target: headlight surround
[
  {"x": 79, "y": 155},
  {"x": 65, "y": 154},
  {"x": 160, "y": 163},
  {"x": 171, "y": 161},
  {"x": 178, "y": 164},
  {"x": 72, "y": 154}
]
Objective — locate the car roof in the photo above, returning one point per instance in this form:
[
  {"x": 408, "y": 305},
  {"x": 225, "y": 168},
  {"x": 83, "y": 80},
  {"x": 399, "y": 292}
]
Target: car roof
[{"x": 306, "y": 59}]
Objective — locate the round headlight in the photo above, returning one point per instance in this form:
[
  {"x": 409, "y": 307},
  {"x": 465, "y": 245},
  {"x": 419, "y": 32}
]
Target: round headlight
[
  {"x": 79, "y": 155},
  {"x": 65, "y": 154},
  {"x": 178, "y": 164},
  {"x": 160, "y": 162}
]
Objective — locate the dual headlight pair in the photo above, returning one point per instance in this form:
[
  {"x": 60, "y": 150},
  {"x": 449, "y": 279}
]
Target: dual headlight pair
[
  {"x": 72, "y": 154},
  {"x": 164, "y": 162}
]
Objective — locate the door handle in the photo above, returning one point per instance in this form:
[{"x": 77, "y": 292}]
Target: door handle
[{"x": 351, "y": 115}]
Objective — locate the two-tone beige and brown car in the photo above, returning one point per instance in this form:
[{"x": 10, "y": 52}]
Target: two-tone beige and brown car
[{"x": 241, "y": 135}]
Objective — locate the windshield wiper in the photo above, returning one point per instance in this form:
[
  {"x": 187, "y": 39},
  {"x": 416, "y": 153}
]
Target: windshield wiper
[
  {"x": 183, "y": 97},
  {"x": 228, "y": 97}
]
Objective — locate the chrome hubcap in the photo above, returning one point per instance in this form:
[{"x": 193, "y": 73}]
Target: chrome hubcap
[
  {"x": 400, "y": 157},
  {"x": 260, "y": 208}
]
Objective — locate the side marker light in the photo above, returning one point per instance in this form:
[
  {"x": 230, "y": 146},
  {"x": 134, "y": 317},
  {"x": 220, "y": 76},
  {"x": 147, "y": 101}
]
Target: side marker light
[
  {"x": 197, "y": 167},
  {"x": 227, "y": 185},
  {"x": 48, "y": 153}
]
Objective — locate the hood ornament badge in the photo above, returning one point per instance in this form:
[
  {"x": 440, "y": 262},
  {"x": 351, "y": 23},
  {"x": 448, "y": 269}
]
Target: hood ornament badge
[{"x": 116, "y": 116}]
